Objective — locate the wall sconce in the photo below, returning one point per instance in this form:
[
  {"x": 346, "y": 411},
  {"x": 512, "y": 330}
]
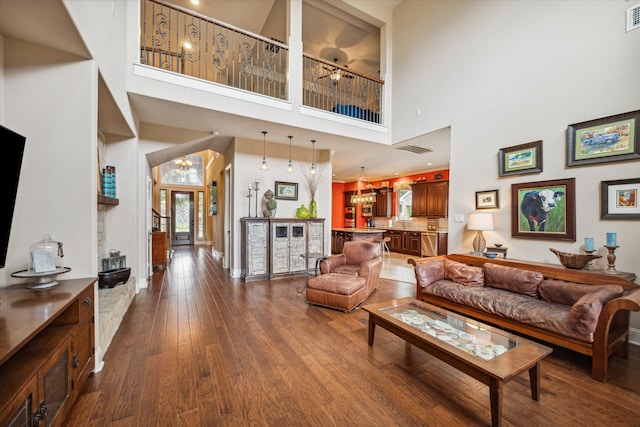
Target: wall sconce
[
  {"x": 290, "y": 168},
  {"x": 479, "y": 222},
  {"x": 264, "y": 166}
]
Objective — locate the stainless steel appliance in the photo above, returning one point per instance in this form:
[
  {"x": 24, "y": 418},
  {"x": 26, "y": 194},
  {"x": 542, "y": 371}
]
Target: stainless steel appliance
[
  {"x": 367, "y": 210},
  {"x": 429, "y": 243},
  {"x": 350, "y": 216}
]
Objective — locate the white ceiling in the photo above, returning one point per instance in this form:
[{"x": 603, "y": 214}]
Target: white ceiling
[{"x": 328, "y": 33}]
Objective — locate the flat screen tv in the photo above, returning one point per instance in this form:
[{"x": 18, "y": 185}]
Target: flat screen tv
[{"x": 12, "y": 149}]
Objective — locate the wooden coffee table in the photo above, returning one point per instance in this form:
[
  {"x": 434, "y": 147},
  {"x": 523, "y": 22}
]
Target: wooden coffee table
[{"x": 490, "y": 355}]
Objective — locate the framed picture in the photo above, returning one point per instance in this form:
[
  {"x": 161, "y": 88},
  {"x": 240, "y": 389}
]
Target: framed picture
[
  {"x": 619, "y": 199},
  {"x": 520, "y": 159},
  {"x": 286, "y": 190},
  {"x": 544, "y": 210},
  {"x": 487, "y": 199},
  {"x": 610, "y": 139}
]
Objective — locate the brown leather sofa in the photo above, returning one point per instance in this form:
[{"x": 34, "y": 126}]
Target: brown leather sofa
[{"x": 347, "y": 279}]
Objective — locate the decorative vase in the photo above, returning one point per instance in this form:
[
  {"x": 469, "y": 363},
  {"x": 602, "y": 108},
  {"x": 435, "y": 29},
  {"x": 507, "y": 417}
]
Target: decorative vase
[
  {"x": 313, "y": 209},
  {"x": 302, "y": 212}
]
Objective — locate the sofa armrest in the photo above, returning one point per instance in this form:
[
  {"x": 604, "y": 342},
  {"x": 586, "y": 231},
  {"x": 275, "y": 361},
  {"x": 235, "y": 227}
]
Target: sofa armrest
[
  {"x": 416, "y": 261},
  {"x": 331, "y": 262},
  {"x": 613, "y": 325}
]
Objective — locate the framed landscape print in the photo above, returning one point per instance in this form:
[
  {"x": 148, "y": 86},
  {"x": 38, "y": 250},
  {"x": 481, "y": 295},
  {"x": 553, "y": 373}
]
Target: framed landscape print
[
  {"x": 286, "y": 190},
  {"x": 487, "y": 199},
  {"x": 619, "y": 199},
  {"x": 609, "y": 139},
  {"x": 544, "y": 210},
  {"x": 520, "y": 159}
]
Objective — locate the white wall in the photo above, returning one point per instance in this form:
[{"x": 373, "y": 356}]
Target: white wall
[
  {"x": 51, "y": 98},
  {"x": 507, "y": 73},
  {"x": 103, "y": 26},
  {"x": 247, "y": 160}
]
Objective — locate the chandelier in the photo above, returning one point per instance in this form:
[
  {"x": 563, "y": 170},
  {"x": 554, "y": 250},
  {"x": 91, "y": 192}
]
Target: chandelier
[
  {"x": 366, "y": 198},
  {"x": 183, "y": 165}
]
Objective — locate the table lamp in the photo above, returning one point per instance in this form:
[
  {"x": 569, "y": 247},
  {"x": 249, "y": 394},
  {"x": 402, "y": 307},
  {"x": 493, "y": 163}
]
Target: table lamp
[{"x": 479, "y": 222}]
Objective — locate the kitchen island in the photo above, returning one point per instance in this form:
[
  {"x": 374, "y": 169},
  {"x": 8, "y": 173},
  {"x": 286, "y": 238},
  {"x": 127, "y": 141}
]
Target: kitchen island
[{"x": 341, "y": 235}]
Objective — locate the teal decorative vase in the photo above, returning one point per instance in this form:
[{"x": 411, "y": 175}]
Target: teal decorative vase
[
  {"x": 302, "y": 212},
  {"x": 313, "y": 209}
]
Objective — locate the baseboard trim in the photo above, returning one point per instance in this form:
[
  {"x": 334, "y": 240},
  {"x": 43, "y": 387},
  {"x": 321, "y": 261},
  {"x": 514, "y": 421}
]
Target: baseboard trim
[{"x": 634, "y": 336}]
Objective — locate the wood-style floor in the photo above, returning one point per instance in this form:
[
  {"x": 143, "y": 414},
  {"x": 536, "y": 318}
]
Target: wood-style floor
[{"x": 198, "y": 348}]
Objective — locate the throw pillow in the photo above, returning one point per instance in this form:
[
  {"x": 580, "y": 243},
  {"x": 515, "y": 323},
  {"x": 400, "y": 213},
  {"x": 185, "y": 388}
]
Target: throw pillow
[
  {"x": 513, "y": 279},
  {"x": 583, "y": 315},
  {"x": 567, "y": 293},
  {"x": 429, "y": 272},
  {"x": 464, "y": 274}
]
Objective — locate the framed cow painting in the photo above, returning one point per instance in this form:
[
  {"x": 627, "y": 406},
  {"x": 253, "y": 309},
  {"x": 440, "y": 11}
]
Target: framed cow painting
[{"x": 544, "y": 210}]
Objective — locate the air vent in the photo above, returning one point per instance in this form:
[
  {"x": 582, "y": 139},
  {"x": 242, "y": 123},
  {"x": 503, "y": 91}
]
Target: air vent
[
  {"x": 414, "y": 149},
  {"x": 633, "y": 18}
]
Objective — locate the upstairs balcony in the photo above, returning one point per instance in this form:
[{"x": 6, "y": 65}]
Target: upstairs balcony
[{"x": 180, "y": 40}]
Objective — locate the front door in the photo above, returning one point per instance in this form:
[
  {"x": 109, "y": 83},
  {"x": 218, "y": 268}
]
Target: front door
[{"x": 182, "y": 218}]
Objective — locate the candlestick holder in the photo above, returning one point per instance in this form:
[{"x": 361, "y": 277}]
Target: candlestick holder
[
  {"x": 256, "y": 188},
  {"x": 589, "y": 266},
  {"x": 249, "y": 197},
  {"x": 611, "y": 258}
]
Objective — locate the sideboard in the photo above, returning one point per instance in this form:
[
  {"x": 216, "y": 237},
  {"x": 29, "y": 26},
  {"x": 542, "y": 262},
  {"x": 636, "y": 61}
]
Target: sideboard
[
  {"x": 47, "y": 347},
  {"x": 279, "y": 247}
]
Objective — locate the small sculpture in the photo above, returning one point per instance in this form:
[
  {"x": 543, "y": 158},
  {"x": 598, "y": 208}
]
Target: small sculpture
[
  {"x": 575, "y": 261},
  {"x": 269, "y": 204}
]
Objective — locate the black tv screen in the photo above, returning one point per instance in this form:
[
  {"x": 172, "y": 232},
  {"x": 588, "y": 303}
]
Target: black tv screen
[{"x": 12, "y": 149}]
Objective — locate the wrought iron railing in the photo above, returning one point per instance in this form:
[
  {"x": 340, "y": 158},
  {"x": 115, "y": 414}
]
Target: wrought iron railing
[
  {"x": 337, "y": 89},
  {"x": 161, "y": 223},
  {"x": 183, "y": 41},
  {"x": 177, "y": 39}
]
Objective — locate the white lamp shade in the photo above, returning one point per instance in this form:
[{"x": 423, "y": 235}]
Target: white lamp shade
[{"x": 480, "y": 221}]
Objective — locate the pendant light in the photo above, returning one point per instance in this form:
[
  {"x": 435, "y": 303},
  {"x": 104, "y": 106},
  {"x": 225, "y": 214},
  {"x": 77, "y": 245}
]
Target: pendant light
[
  {"x": 264, "y": 166},
  {"x": 313, "y": 157},
  {"x": 290, "y": 168},
  {"x": 366, "y": 198}
]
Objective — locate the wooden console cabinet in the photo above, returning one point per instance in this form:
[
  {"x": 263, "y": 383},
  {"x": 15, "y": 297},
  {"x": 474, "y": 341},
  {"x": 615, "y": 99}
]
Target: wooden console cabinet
[
  {"x": 273, "y": 247},
  {"x": 46, "y": 351},
  {"x": 159, "y": 248}
]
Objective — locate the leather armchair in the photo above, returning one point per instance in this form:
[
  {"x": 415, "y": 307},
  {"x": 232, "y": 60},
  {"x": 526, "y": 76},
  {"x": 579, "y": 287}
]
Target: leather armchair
[{"x": 358, "y": 258}]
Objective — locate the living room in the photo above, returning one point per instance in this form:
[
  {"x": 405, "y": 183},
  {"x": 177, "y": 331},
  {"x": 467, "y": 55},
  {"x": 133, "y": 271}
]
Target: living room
[{"x": 497, "y": 79}]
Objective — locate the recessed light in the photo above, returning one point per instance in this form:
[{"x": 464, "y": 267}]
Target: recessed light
[{"x": 195, "y": 1}]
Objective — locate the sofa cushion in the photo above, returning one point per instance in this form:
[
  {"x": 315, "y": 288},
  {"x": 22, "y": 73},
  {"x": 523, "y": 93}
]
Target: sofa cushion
[
  {"x": 462, "y": 273},
  {"x": 512, "y": 279},
  {"x": 510, "y": 305},
  {"x": 567, "y": 293},
  {"x": 583, "y": 315},
  {"x": 429, "y": 272}
]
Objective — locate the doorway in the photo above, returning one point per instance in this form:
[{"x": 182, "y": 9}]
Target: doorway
[{"x": 182, "y": 229}]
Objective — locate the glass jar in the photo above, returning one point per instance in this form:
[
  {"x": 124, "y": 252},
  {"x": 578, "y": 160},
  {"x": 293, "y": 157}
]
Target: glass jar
[{"x": 45, "y": 255}]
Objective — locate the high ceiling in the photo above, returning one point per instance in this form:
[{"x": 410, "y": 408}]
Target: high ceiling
[{"x": 328, "y": 33}]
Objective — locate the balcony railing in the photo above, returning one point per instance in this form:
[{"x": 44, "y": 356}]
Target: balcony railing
[
  {"x": 337, "y": 89},
  {"x": 183, "y": 41}
]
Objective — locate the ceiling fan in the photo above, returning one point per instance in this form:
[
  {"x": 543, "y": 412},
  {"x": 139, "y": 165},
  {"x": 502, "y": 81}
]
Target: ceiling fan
[{"x": 335, "y": 73}]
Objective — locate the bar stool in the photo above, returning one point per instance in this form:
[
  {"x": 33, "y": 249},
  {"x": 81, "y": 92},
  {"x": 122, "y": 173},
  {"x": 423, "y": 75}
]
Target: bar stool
[{"x": 384, "y": 248}]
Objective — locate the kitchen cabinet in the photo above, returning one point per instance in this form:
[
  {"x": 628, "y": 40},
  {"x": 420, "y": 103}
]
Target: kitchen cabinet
[
  {"x": 430, "y": 199},
  {"x": 411, "y": 242},
  {"x": 442, "y": 243},
  {"x": 395, "y": 244},
  {"x": 48, "y": 354},
  {"x": 383, "y": 203},
  {"x": 337, "y": 242}
]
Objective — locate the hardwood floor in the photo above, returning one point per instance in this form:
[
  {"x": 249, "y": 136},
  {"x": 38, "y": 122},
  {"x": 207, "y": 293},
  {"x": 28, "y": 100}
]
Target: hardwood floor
[{"x": 198, "y": 348}]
